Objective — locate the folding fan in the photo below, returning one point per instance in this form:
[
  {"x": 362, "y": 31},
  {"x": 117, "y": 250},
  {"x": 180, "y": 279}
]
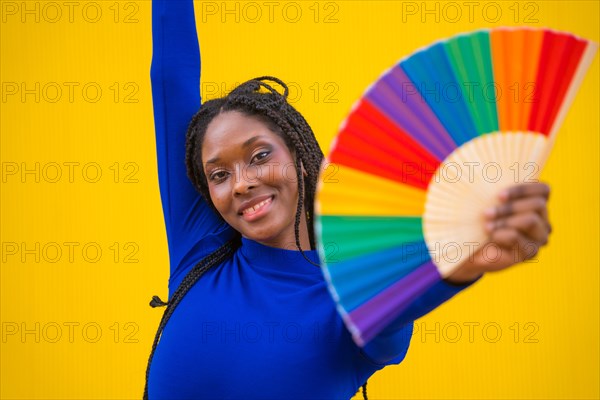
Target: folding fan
[{"x": 425, "y": 150}]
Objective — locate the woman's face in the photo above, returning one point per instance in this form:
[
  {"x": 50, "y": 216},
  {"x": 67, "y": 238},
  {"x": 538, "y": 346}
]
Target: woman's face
[{"x": 252, "y": 179}]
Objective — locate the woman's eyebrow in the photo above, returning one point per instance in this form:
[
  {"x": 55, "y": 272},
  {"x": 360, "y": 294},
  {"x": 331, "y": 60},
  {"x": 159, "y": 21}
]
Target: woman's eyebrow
[
  {"x": 247, "y": 143},
  {"x": 213, "y": 160},
  {"x": 250, "y": 141}
]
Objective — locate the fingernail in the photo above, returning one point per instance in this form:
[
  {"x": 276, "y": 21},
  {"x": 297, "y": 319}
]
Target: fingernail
[
  {"x": 489, "y": 226},
  {"x": 503, "y": 195},
  {"x": 490, "y": 212}
]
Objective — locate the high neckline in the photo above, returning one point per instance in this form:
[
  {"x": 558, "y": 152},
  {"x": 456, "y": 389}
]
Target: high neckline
[{"x": 282, "y": 260}]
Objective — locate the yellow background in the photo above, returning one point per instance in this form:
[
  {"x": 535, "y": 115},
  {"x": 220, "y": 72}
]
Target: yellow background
[{"x": 551, "y": 304}]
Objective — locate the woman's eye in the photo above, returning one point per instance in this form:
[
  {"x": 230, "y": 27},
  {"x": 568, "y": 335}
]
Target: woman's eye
[
  {"x": 260, "y": 156},
  {"x": 218, "y": 175}
]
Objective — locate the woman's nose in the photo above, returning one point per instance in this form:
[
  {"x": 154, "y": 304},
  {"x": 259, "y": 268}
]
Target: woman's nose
[{"x": 246, "y": 178}]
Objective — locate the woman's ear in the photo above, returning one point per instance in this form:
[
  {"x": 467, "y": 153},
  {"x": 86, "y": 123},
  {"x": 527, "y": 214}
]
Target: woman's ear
[{"x": 304, "y": 173}]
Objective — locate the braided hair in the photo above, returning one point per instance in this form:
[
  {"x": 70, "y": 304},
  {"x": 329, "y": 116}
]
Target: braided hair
[
  {"x": 215, "y": 258},
  {"x": 254, "y": 98}
]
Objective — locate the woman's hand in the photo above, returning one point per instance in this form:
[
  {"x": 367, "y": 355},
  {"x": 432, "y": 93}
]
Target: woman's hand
[{"x": 518, "y": 227}]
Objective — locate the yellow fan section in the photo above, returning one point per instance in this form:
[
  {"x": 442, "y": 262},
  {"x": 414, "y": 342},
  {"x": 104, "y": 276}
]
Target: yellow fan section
[{"x": 344, "y": 190}]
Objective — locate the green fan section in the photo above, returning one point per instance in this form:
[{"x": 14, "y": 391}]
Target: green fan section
[
  {"x": 471, "y": 59},
  {"x": 345, "y": 237}
]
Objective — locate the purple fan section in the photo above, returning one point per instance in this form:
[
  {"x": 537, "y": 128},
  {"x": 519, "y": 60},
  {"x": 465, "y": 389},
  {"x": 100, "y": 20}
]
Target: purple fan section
[
  {"x": 396, "y": 96},
  {"x": 371, "y": 317}
]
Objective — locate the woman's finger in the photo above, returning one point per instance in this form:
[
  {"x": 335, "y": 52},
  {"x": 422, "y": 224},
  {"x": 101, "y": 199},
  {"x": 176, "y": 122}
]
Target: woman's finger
[
  {"x": 525, "y": 190},
  {"x": 512, "y": 240},
  {"x": 529, "y": 224},
  {"x": 535, "y": 204}
]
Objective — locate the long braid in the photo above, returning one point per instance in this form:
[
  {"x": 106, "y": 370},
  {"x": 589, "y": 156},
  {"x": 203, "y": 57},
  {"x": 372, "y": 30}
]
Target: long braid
[{"x": 213, "y": 259}]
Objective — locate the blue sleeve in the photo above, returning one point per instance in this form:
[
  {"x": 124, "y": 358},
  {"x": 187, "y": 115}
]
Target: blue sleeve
[
  {"x": 190, "y": 223},
  {"x": 391, "y": 345}
]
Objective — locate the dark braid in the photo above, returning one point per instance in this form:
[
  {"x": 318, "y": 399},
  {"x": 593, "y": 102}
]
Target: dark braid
[
  {"x": 283, "y": 119},
  {"x": 215, "y": 258}
]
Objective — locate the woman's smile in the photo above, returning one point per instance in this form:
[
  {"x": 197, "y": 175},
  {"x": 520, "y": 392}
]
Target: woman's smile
[{"x": 256, "y": 208}]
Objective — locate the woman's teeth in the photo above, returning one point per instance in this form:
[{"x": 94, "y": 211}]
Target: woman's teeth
[{"x": 257, "y": 206}]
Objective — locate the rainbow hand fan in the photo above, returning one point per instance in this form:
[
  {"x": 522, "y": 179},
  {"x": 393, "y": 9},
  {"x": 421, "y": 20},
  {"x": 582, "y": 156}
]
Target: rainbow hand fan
[{"x": 425, "y": 151}]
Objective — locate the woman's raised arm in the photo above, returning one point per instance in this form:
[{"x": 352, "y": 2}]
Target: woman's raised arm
[{"x": 175, "y": 78}]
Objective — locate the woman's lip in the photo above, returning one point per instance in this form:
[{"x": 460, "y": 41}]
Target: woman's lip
[
  {"x": 250, "y": 216},
  {"x": 259, "y": 212},
  {"x": 252, "y": 202}
]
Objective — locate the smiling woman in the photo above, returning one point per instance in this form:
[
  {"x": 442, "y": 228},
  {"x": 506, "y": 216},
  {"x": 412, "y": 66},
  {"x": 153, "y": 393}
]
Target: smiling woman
[{"x": 249, "y": 313}]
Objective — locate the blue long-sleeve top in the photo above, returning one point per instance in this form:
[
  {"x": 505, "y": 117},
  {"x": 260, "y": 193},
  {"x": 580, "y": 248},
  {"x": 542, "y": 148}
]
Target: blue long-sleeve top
[{"x": 261, "y": 324}]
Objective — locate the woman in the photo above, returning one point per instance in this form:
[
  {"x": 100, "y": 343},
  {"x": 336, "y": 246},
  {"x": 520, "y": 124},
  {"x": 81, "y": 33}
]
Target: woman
[{"x": 249, "y": 313}]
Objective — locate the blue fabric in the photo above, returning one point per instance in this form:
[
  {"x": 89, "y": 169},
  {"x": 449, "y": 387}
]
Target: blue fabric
[{"x": 262, "y": 324}]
